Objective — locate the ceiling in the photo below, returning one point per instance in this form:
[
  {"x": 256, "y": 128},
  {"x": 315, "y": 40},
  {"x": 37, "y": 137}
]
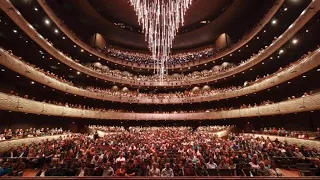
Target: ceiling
[{"x": 117, "y": 22}]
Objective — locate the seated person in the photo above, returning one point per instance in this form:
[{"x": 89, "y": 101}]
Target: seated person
[
  {"x": 263, "y": 170},
  {"x": 18, "y": 167},
  {"x": 200, "y": 170},
  {"x": 167, "y": 171},
  {"x": 5, "y": 169}
]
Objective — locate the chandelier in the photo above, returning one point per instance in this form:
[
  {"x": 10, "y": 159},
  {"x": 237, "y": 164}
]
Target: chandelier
[{"x": 160, "y": 20}]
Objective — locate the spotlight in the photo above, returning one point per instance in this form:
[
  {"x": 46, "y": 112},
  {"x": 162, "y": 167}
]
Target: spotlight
[
  {"x": 285, "y": 9},
  {"x": 281, "y": 51},
  {"x": 56, "y": 31},
  {"x": 274, "y": 21},
  {"x": 81, "y": 50},
  {"x": 15, "y": 31},
  {"x": 32, "y": 82},
  {"x": 78, "y": 72},
  {"x": 36, "y": 9},
  {"x": 294, "y": 41},
  {"x": 47, "y": 22}
]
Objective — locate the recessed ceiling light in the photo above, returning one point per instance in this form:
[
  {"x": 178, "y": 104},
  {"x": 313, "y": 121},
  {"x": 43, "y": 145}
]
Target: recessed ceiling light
[
  {"x": 18, "y": 76},
  {"x": 247, "y": 45},
  {"x": 262, "y": 63},
  {"x": 78, "y": 72},
  {"x": 230, "y": 54},
  {"x": 289, "y": 82},
  {"x": 281, "y": 51},
  {"x": 56, "y": 31},
  {"x": 318, "y": 70},
  {"x": 36, "y": 9},
  {"x": 27, "y": 41},
  {"x": 304, "y": 76},
  {"x": 294, "y": 41},
  {"x": 90, "y": 54},
  {"x": 58, "y": 63},
  {"x": 81, "y": 50},
  {"x": 15, "y": 31},
  {"x": 258, "y": 37},
  {"x": 74, "y": 46},
  {"x": 47, "y": 21},
  {"x": 307, "y": 30},
  {"x": 274, "y": 21},
  {"x": 32, "y": 82},
  {"x": 63, "y": 37},
  {"x": 285, "y": 9},
  {"x": 3, "y": 70},
  {"x": 264, "y": 31},
  {"x": 271, "y": 57},
  {"x": 239, "y": 50}
]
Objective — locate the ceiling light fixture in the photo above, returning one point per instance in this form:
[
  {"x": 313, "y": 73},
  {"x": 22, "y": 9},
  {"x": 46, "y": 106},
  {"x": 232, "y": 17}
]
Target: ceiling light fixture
[
  {"x": 15, "y": 31},
  {"x": 281, "y": 51},
  {"x": 285, "y": 9},
  {"x": 56, "y": 31},
  {"x": 160, "y": 22},
  {"x": 36, "y": 9},
  {"x": 47, "y": 21},
  {"x": 274, "y": 21},
  {"x": 294, "y": 41}
]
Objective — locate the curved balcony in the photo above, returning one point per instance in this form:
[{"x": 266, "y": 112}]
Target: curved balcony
[
  {"x": 301, "y": 66},
  {"x": 308, "y": 13},
  {"x": 18, "y": 104},
  {"x": 6, "y": 145},
  {"x": 225, "y": 52}
]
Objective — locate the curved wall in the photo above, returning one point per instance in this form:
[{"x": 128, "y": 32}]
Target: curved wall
[
  {"x": 300, "y": 67},
  {"x": 6, "y": 145},
  {"x": 18, "y": 104},
  {"x": 225, "y": 52},
  {"x": 310, "y": 11},
  {"x": 300, "y": 142}
]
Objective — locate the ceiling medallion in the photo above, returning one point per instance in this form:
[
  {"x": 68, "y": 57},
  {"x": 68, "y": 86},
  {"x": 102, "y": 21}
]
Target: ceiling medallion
[{"x": 160, "y": 20}]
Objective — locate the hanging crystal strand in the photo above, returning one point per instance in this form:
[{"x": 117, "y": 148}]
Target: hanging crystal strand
[{"x": 160, "y": 21}]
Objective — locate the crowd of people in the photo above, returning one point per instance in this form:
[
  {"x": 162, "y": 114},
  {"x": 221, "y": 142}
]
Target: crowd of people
[
  {"x": 178, "y": 94},
  {"x": 296, "y": 134},
  {"x": 85, "y": 107},
  {"x": 8, "y": 134},
  {"x": 146, "y": 59},
  {"x": 154, "y": 151}
]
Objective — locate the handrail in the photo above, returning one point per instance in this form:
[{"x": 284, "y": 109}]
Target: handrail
[
  {"x": 300, "y": 67},
  {"x": 11, "y": 11},
  {"x": 86, "y": 47},
  {"x": 18, "y": 104}
]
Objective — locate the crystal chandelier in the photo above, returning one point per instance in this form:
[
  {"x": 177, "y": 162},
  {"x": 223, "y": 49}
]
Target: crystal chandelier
[{"x": 160, "y": 20}]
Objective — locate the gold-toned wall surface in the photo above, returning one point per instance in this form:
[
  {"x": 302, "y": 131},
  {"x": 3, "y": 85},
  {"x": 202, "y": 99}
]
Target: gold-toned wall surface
[
  {"x": 300, "y": 67},
  {"x": 6, "y": 145},
  {"x": 300, "y": 142},
  {"x": 310, "y": 11},
  {"x": 18, "y": 104},
  {"x": 225, "y": 52}
]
